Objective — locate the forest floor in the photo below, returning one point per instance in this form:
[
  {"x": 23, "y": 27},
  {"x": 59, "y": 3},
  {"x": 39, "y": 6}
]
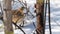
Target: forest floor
[{"x": 55, "y": 21}]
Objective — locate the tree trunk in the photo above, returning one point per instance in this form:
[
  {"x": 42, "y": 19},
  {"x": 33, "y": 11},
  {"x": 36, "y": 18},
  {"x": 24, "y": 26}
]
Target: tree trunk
[
  {"x": 40, "y": 15},
  {"x": 7, "y": 17}
]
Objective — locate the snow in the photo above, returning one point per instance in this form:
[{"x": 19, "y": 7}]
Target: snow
[
  {"x": 27, "y": 29},
  {"x": 55, "y": 19}
]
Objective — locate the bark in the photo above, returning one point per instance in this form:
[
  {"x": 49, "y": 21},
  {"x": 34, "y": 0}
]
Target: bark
[
  {"x": 7, "y": 17},
  {"x": 40, "y": 15}
]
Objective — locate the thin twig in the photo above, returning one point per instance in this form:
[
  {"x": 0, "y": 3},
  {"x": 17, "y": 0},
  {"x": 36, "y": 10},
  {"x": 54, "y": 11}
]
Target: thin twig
[{"x": 19, "y": 27}]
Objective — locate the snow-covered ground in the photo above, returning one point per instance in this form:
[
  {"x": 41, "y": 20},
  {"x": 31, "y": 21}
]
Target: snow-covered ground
[{"x": 55, "y": 19}]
